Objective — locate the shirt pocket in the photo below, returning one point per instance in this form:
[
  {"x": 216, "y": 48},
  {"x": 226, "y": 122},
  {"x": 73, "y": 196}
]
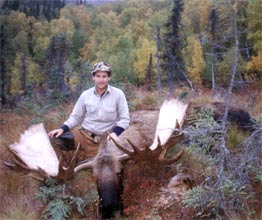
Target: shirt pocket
[
  {"x": 91, "y": 110},
  {"x": 110, "y": 114}
]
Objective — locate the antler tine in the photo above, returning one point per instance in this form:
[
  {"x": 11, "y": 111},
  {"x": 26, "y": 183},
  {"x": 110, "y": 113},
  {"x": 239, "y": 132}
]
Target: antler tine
[
  {"x": 87, "y": 164},
  {"x": 72, "y": 162},
  {"x": 159, "y": 147},
  {"x": 22, "y": 164},
  {"x": 68, "y": 172},
  {"x": 173, "y": 159},
  {"x": 135, "y": 148},
  {"x": 177, "y": 124},
  {"x": 120, "y": 146},
  {"x": 39, "y": 171},
  {"x": 123, "y": 157}
]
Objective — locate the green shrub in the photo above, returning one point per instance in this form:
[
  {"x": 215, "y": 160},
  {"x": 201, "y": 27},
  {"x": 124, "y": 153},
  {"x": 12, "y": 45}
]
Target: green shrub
[
  {"x": 227, "y": 188},
  {"x": 59, "y": 206}
]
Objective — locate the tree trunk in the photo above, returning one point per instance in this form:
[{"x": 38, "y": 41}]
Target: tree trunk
[
  {"x": 149, "y": 74},
  {"x": 194, "y": 91},
  {"x": 225, "y": 157},
  {"x": 159, "y": 86},
  {"x": 2, "y": 66},
  {"x": 213, "y": 24},
  {"x": 30, "y": 39},
  {"x": 233, "y": 73},
  {"x": 213, "y": 69},
  {"x": 23, "y": 74}
]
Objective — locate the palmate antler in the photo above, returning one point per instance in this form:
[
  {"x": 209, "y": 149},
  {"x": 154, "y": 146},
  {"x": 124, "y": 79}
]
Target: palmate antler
[
  {"x": 171, "y": 118},
  {"x": 34, "y": 152},
  {"x": 147, "y": 154}
]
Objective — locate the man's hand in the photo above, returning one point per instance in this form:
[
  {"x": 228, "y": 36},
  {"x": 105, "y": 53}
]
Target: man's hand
[
  {"x": 112, "y": 135},
  {"x": 56, "y": 133}
]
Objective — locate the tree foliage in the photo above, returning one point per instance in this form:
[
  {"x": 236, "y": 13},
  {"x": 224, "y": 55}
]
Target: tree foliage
[
  {"x": 143, "y": 57},
  {"x": 194, "y": 60},
  {"x": 195, "y": 43},
  {"x": 172, "y": 55},
  {"x": 226, "y": 190},
  {"x": 254, "y": 66}
]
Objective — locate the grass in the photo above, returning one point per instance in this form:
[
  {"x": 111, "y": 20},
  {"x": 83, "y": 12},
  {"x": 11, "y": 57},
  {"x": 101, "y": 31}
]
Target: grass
[
  {"x": 17, "y": 191},
  {"x": 257, "y": 108},
  {"x": 235, "y": 136},
  {"x": 15, "y": 183},
  {"x": 144, "y": 100},
  {"x": 18, "y": 208},
  {"x": 251, "y": 215}
]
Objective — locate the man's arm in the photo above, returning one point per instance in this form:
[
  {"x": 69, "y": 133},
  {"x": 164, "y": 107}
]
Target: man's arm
[
  {"x": 123, "y": 115},
  {"x": 76, "y": 116},
  {"x": 74, "y": 119}
]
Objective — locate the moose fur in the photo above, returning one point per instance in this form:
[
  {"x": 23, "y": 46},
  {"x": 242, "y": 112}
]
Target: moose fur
[{"x": 106, "y": 168}]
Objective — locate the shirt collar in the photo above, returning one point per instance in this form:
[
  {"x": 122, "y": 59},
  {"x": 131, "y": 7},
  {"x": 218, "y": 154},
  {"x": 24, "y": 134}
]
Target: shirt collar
[{"x": 108, "y": 90}]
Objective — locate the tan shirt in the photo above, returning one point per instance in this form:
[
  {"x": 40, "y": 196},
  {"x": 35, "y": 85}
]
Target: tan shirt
[{"x": 97, "y": 113}]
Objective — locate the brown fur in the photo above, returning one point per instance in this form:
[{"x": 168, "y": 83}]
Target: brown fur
[
  {"x": 105, "y": 159},
  {"x": 106, "y": 168}
]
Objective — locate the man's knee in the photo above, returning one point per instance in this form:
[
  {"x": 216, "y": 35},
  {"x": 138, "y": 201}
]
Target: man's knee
[{"x": 65, "y": 141}]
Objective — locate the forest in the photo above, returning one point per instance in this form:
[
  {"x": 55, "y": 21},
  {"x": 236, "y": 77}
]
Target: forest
[
  {"x": 48, "y": 47},
  {"x": 205, "y": 51}
]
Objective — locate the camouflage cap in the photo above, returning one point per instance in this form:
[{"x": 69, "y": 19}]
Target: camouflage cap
[{"x": 101, "y": 66}]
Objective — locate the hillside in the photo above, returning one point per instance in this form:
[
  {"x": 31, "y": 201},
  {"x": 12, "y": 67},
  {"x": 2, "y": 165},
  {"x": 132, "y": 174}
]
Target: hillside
[{"x": 148, "y": 192}]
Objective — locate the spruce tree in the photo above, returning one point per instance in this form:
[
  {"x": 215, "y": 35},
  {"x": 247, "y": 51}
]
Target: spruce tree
[{"x": 172, "y": 60}]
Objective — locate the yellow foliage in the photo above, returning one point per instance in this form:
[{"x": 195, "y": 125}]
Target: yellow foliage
[
  {"x": 196, "y": 62},
  {"x": 17, "y": 21},
  {"x": 42, "y": 43},
  {"x": 196, "y": 14},
  {"x": 62, "y": 25},
  {"x": 255, "y": 64},
  {"x": 41, "y": 28},
  {"x": 33, "y": 74},
  {"x": 42, "y": 36},
  {"x": 85, "y": 52},
  {"x": 143, "y": 55},
  {"x": 138, "y": 28},
  {"x": 255, "y": 24},
  {"x": 103, "y": 38},
  {"x": 80, "y": 13}
]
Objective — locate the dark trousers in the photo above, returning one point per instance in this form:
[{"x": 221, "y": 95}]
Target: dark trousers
[
  {"x": 65, "y": 141},
  {"x": 69, "y": 141}
]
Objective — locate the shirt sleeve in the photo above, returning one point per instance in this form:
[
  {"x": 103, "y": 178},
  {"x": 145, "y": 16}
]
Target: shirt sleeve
[
  {"x": 77, "y": 115},
  {"x": 118, "y": 130},
  {"x": 65, "y": 128},
  {"x": 123, "y": 112}
]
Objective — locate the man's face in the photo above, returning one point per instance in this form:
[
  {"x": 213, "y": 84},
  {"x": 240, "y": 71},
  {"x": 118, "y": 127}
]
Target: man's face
[{"x": 101, "y": 79}]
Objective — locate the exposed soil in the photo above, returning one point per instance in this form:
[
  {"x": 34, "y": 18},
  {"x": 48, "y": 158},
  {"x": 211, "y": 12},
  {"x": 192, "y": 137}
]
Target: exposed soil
[{"x": 145, "y": 185}]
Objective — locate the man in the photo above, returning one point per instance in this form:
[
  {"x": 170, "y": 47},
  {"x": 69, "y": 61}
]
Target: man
[{"x": 98, "y": 110}]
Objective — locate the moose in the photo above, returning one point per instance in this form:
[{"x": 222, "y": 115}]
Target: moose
[{"x": 34, "y": 149}]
